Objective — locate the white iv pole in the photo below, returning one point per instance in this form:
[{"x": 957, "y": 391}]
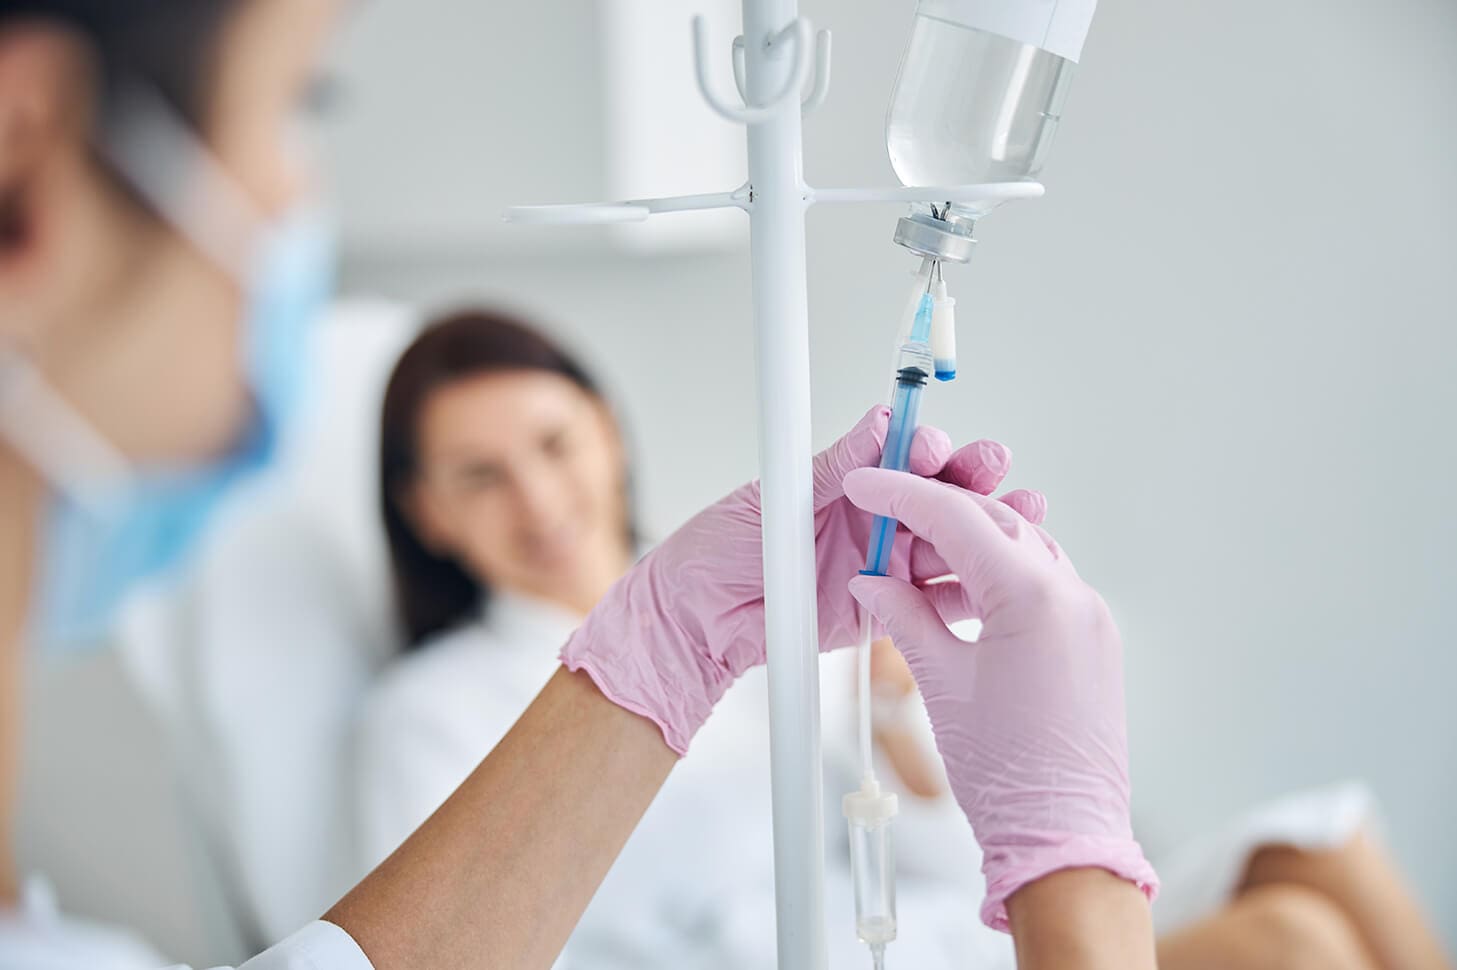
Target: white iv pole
[{"x": 774, "y": 59}]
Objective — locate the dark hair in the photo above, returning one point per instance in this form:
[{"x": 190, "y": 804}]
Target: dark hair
[
  {"x": 170, "y": 44},
  {"x": 435, "y": 593}
]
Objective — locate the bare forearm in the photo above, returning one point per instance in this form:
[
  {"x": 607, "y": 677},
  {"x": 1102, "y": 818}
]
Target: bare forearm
[
  {"x": 501, "y": 873},
  {"x": 1081, "y": 919}
]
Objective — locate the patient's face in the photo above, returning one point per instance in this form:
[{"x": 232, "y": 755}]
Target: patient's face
[{"x": 522, "y": 482}]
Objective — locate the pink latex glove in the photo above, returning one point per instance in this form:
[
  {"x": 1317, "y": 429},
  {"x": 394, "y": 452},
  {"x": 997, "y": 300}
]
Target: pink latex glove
[
  {"x": 671, "y": 636},
  {"x": 1029, "y": 719}
]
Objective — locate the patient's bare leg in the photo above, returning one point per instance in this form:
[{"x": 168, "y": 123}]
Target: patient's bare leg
[
  {"x": 1362, "y": 880},
  {"x": 1274, "y": 927}
]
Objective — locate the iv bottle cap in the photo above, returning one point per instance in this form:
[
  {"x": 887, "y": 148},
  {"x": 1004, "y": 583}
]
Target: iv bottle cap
[
  {"x": 870, "y": 804},
  {"x": 933, "y": 238}
]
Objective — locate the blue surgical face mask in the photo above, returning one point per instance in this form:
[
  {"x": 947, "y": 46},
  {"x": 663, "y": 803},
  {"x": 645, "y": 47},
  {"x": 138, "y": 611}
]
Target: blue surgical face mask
[{"x": 112, "y": 525}]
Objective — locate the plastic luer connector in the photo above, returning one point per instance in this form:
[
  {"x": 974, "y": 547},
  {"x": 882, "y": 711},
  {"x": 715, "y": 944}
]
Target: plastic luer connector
[{"x": 943, "y": 332}]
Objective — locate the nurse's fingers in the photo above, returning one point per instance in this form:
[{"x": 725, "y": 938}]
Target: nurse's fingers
[
  {"x": 952, "y": 601},
  {"x": 930, "y": 450},
  {"x": 926, "y": 563},
  {"x": 1030, "y": 504},
  {"x": 906, "y": 613},
  {"x": 979, "y": 466},
  {"x": 861, "y": 447},
  {"x": 858, "y": 448},
  {"x": 1053, "y": 547},
  {"x": 963, "y": 528}
]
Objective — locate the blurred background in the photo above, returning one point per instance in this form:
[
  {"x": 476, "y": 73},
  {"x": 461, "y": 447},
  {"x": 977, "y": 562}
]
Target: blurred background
[{"x": 1222, "y": 344}]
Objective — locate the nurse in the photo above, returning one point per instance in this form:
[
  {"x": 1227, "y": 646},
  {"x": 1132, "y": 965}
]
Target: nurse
[{"x": 158, "y": 259}]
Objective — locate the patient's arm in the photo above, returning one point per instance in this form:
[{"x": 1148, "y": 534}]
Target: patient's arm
[
  {"x": 501, "y": 873},
  {"x": 1081, "y": 919},
  {"x": 914, "y": 761}
]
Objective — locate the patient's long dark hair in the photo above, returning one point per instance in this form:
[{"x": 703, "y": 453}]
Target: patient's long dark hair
[{"x": 435, "y": 593}]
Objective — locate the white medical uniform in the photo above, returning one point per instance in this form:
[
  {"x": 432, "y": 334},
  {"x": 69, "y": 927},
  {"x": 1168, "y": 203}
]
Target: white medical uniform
[
  {"x": 36, "y": 936},
  {"x": 318, "y": 946}
]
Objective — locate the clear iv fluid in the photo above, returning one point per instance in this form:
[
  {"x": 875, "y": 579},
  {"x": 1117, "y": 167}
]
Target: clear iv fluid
[
  {"x": 972, "y": 106},
  {"x": 876, "y": 929},
  {"x": 872, "y": 861}
]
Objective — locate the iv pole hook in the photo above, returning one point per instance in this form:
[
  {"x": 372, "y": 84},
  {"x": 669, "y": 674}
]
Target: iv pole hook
[
  {"x": 816, "y": 96},
  {"x": 800, "y": 32}
]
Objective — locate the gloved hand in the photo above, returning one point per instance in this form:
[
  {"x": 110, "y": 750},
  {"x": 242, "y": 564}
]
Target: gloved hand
[
  {"x": 671, "y": 636},
  {"x": 1029, "y": 719}
]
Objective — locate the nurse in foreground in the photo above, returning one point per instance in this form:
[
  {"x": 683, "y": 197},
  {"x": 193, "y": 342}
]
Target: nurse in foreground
[{"x": 158, "y": 260}]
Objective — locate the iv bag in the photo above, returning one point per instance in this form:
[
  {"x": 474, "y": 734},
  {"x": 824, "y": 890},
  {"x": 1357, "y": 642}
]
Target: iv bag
[{"x": 981, "y": 89}]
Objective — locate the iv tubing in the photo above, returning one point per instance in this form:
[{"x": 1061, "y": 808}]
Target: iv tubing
[{"x": 867, "y": 767}]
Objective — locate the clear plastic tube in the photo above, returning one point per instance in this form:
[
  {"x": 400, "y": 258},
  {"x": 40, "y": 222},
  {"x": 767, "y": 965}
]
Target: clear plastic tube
[
  {"x": 872, "y": 853},
  {"x": 863, "y": 712},
  {"x": 870, "y": 813}
]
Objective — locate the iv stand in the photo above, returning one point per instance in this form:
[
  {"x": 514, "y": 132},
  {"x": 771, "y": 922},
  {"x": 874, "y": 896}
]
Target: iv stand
[{"x": 773, "y": 62}]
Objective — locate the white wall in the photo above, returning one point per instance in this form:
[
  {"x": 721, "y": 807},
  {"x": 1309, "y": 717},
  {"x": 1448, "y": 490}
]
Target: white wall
[{"x": 1223, "y": 344}]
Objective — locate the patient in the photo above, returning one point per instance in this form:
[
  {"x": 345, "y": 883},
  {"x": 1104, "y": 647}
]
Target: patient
[{"x": 507, "y": 503}]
